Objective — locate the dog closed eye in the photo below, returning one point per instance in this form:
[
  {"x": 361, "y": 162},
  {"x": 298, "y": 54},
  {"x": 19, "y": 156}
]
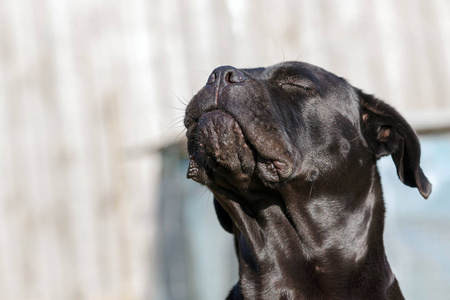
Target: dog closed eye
[{"x": 298, "y": 87}]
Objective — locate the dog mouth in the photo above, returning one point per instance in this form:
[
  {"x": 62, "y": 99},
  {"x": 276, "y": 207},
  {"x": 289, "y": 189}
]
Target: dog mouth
[{"x": 227, "y": 148}]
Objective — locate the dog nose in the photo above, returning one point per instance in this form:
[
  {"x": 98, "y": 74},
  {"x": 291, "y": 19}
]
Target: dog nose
[{"x": 227, "y": 74}]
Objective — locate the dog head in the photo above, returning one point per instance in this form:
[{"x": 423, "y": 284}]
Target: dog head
[{"x": 251, "y": 131}]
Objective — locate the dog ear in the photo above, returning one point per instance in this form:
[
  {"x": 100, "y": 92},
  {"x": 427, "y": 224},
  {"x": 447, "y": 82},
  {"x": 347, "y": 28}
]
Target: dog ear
[
  {"x": 388, "y": 133},
  {"x": 223, "y": 216}
]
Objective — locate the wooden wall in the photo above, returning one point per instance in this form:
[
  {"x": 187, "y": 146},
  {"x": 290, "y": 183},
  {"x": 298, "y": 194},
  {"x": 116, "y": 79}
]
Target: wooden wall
[{"x": 90, "y": 90}]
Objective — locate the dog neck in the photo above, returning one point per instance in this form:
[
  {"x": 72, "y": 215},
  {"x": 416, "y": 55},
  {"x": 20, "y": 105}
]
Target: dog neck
[{"x": 319, "y": 246}]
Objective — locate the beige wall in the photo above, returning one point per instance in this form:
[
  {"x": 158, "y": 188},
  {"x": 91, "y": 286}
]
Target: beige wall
[{"x": 91, "y": 89}]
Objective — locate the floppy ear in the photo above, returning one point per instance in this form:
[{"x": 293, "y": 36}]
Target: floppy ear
[
  {"x": 388, "y": 133},
  {"x": 223, "y": 216}
]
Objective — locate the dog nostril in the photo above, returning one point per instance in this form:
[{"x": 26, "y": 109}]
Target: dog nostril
[
  {"x": 211, "y": 78},
  {"x": 228, "y": 76},
  {"x": 234, "y": 76}
]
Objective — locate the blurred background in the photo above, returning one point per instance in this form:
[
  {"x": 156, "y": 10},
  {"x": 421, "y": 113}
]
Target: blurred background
[{"x": 94, "y": 203}]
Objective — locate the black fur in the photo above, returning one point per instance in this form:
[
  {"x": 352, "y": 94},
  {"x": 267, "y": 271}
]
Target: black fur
[{"x": 290, "y": 153}]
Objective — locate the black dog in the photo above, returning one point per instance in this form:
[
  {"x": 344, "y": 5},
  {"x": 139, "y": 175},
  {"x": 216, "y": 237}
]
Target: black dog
[{"x": 290, "y": 153}]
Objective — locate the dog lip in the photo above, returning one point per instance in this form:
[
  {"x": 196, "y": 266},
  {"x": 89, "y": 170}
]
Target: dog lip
[
  {"x": 270, "y": 166},
  {"x": 284, "y": 169},
  {"x": 273, "y": 171}
]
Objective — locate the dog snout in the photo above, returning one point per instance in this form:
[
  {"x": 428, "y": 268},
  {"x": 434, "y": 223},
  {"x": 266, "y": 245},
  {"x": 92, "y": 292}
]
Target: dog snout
[{"x": 226, "y": 75}]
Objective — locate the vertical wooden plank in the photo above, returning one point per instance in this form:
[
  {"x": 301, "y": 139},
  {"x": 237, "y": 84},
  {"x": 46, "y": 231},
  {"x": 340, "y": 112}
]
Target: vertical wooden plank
[
  {"x": 142, "y": 118},
  {"x": 7, "y": 261},
  {"x": 73, "y": 180},
  {"x": 26, "y": 127},
  {"x": 433, "y": 21},
  {"x": 6, "y": 184}
]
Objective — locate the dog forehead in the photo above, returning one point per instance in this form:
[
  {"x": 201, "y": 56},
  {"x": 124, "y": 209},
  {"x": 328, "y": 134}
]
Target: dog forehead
[
  {"x": 298, "y": 70},
  {"x": 276, "y": 71},
  {"x": 294, "y": 69},
  {"x": 339, "y": 95}
]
